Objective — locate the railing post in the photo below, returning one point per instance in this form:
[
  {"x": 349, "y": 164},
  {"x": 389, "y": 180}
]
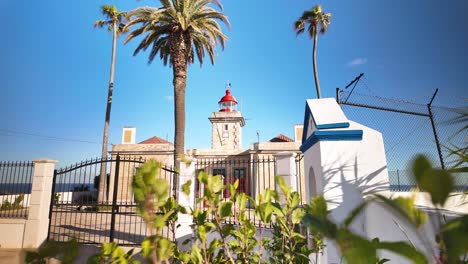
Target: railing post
[
  {"x": 398, "y": 179},
  {"x": 114, "y": 198},
  {"x": 52, "y": 200},
  {"x": 185, "y": 221},
  {"x": 286, "y": 168},
  {"x": 37, "y": 224}
]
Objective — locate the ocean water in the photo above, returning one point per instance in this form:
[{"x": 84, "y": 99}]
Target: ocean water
[{"x": 17, "y": 188}]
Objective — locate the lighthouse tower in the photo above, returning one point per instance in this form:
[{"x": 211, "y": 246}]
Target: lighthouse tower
[{"x": 227, "y": 124}]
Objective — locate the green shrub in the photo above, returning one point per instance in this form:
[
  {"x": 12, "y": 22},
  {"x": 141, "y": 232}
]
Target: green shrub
[
  {"x": 17, "y": 203},
  {"x": 240, "y": 242}
]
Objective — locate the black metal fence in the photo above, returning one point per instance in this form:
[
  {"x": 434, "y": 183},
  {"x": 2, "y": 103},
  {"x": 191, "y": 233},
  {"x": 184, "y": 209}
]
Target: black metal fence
[
  {"x": 77, "y": 211},
  {"x": 254, "y": 175},
  {"x": 409, "y": 129},
  {"x": 15, "y": 188}
]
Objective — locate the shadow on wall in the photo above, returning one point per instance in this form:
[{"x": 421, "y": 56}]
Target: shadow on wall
[{"x": 344, "y": 188}]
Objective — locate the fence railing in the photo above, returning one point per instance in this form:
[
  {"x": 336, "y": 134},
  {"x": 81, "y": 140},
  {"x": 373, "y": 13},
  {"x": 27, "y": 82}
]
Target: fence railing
[
  {"x": 15, "y": 188},
  {"x": 254, "y": 176},
  {"x": 77, "y": 211}
]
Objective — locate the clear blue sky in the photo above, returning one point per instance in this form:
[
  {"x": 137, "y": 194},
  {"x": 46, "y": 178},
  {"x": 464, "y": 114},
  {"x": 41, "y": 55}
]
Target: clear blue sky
[{"x": 54, "y": 70}]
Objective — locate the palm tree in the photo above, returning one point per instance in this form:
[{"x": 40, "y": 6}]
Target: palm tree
[
  {"x": 315, "y": 19},
  {"x": 179, "y": 30},
  {"x": 114, "y": 22}
]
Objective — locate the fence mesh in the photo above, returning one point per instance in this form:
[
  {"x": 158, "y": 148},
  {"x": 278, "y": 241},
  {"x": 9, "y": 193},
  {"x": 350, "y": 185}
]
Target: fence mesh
[
  {"x": 15, "y": 188},
  {"x": 407, "y": 131}
]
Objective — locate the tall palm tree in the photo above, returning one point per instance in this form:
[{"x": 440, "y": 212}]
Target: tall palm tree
[
  {"x": 114, "y": 22},
  {"x": 179, "y": 30},
  {"x": 316, "y": 21}
]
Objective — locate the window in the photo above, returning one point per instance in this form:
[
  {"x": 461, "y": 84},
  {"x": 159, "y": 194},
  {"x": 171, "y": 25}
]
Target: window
[
  {"x": 239, "y": 174},
  {"x": 226, "y": 127},
  {"x": 219, "y": 171}
]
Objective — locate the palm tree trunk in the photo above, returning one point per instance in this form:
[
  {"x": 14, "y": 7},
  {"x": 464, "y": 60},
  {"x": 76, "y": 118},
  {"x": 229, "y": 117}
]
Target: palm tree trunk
[
  {"x": 102, "y": 196},
  {"x": 178, "y": 49},
  {"x": 314, "y": 63}
]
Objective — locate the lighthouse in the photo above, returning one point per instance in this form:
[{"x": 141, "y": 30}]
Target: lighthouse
[{"x": 227, "y": 124}]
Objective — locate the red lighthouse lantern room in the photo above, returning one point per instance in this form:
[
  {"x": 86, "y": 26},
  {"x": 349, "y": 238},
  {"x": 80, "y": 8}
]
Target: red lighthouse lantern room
[{"x": 228, "y": 103}]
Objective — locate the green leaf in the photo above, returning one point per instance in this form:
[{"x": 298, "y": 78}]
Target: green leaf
[
  {"x": 164, "y": 248},
  {"x": 293, "y": 200},
  {"x": 241, "y": 201},
  {"x": 216, "y": 184},
  {"x": 202, "y": 233},
  {"x": 146, "y": 247},
  {"x": 196, "y": 254},
  {"x": 455, "y": 236},
  {"x": 203, "y": 177},
  {"x": 404, "y": 206},
  {"x": 420, "y": 166},
  {"x": 283, "y": 186},
  {"x": 225, "y": 209},
  {"x": 356, "y": 249},
  {"x": 439, "y": 184},
  {"x": 186, "y": 187},
  {"x": 403, "y": 249},
  {"x": 354, "y": 213},
  {"x": 297, "y": 215},
  {"x": 317, "y": 207},
  {"x": 226, "y": 230},
  {"x": 459, "y": 170}
]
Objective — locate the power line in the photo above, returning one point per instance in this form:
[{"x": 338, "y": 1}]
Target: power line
[{"x": 9, "y": 132}]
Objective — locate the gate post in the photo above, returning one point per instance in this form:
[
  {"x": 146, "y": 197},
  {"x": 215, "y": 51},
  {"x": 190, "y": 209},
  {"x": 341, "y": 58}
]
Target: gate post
[
  {"x": 185, "y": 221},
  {"x": 37, "y": 224},
  {"x": 286, "y": 168}
]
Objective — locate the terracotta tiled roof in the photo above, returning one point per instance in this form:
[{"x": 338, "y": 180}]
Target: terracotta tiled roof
[
  {"x": 281, "y": 138},
  {"x": 155, "y": 140}
]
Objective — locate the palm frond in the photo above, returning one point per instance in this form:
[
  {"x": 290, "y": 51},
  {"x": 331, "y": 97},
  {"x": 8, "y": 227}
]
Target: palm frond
[
  {"x": 196, "y": 20},
  {"x": 113, "y": 18},
  {"x": 315, "y": 20}
]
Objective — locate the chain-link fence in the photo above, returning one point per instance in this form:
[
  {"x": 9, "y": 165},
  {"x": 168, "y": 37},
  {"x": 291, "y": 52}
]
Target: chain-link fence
[{"x": 409, "y": 129}]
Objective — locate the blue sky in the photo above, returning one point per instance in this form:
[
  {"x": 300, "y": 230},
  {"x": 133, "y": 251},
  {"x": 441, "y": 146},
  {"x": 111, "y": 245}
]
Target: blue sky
[{"x": 54, "y": 70}]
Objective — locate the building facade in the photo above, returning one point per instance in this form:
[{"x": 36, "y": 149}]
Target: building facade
[{"x": 253, "y": 167}]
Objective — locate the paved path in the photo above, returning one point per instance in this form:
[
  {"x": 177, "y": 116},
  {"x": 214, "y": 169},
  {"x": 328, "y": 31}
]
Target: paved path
[{"x": 11, "y": 256}]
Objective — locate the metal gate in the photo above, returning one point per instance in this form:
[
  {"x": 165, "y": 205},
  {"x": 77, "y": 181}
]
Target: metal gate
[{"x": 77, "y": 211}]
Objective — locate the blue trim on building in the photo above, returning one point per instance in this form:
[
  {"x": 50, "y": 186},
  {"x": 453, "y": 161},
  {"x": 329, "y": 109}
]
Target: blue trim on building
[
  {"x": 332, "y": 125},
  {"x": 306, "y": 123},
  {"x": 331, "y": 135},
  {"x": 308, "y": 114}
]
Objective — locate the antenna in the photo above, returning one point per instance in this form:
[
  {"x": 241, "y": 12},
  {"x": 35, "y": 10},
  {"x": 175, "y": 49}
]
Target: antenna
[{"x": 258, "y": 136}]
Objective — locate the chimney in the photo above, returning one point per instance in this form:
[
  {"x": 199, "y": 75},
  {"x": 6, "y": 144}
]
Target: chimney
[
  {"x": 298, "y": 129},
  {"x": 128, "y": 135}
]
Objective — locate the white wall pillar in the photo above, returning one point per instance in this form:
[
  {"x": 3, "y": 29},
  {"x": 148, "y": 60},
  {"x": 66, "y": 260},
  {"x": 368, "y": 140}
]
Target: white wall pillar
[
  {"x": 37, "y": 223},
  {"x": 286, "y": 168},
  {"x": 344, "y": 162},
  {"x": 185, "y": 221}
]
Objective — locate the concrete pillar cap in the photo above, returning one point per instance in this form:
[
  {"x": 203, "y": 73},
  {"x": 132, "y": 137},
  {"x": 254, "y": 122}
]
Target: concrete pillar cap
[
  {"x": 286, "y": 154},
  {"x": 187, "y": 159},
  {"x": 45, "y": 160}
]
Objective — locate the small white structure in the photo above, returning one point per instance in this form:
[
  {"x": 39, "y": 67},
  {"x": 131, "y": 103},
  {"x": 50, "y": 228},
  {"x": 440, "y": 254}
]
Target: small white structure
[{"x": 344, "y": 162}]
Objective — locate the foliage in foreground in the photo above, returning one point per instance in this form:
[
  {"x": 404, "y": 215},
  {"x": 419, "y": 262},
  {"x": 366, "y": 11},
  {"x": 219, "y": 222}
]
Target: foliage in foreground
[
  {"x": 16, "y": 204},
  {"x": 214, "y": 241}
]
